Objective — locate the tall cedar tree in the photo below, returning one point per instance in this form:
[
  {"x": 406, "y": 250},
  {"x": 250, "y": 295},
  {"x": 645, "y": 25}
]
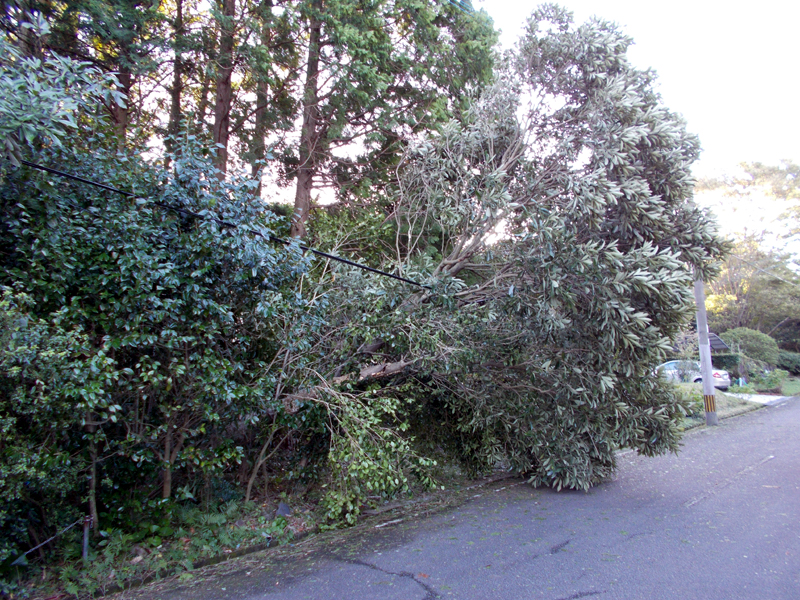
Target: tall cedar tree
[{"x": 375, "y": 74}]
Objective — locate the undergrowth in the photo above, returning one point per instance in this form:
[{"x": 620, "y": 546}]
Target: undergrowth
[{"x": 155, "y": 549}]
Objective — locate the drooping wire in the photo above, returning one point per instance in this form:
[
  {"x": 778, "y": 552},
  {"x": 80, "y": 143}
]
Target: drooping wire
[
  {"x": 462, "y": 5},
  {"x": 770, "y": 273},
  {"x": 21, "y": 557},
  {"x": 226, "y": 224}
]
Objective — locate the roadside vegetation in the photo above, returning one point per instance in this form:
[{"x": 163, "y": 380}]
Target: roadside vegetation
[
  {"x": 791, "y": 387},
  {"x": 754, "y": 304},
  {"x": 728, "y": 404},
  {"x": 178, "y": 367}
]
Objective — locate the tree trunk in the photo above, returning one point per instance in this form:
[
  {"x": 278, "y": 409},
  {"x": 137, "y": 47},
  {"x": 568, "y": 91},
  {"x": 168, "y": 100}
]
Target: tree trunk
[
  {"x": 206, "y": 490},
  {"x": 30, "y": 43},
  {"x": 222, "y": 106},
  {"x": 205, "y": 84},
  {"x": 176, "y": 91},
  {"x": 166, "y": 485},
  {"x": 259, "y": 150},
  {"x": 121, "y": 114},
  {"x": 90, "y": 428},
  {"x": 172, "y": 448},
  {"x": 309, "y": 135},
  {"x": 266, "y": 483},
  {"x": 257, "y": 466},
  {"x": 202, "y": 105},
  {"x": 93, "y": 489}
]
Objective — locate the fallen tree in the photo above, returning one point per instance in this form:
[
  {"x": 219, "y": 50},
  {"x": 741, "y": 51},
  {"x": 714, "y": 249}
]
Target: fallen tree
[{"x": 556, "y": 225}]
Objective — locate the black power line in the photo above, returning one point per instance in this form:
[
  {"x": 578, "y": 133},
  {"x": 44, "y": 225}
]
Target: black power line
[
  {"x": 770, "y": 273},
  {"x": 227, "y": 224},
  {"x": 462, "y": 5}
]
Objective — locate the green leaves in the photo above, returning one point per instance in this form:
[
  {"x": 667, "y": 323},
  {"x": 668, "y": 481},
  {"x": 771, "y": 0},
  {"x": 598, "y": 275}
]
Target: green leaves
[
  {"x": 754, "y": 344},
  {"x": 369, "y": 456},
  {"x": 146, "y": 345},
  {"x": 553, "y": 220},
  {"x": 580, "y": 201},
  {"x": 40, "y": 99}
]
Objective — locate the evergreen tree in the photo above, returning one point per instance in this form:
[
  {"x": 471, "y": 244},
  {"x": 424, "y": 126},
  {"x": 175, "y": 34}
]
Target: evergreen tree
[{"x": 375, "y": 74}]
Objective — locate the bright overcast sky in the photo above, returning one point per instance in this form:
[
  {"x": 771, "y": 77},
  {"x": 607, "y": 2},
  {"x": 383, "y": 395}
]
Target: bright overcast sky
[{"x": 730, "y": 68}]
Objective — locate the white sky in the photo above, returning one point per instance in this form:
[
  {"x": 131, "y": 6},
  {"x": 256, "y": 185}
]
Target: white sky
[{"x": 730, "y": 68}]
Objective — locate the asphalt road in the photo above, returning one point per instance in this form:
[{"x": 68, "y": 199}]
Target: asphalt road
[{"x": 721, "y": 520}]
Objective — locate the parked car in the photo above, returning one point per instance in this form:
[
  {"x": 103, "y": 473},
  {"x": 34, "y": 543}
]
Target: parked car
[{"x": 689, "y": 371}]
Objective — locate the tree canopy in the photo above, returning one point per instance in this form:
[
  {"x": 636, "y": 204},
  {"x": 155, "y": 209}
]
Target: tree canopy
[
  {"x": 758, "y": 286},
  {"x": 757, "y": 289},
  {"x": 560, "y": 214},
  {"x": 763, "y": 186}
]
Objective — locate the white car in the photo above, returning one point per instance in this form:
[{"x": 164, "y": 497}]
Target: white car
[{"x": 689, "y": 371}]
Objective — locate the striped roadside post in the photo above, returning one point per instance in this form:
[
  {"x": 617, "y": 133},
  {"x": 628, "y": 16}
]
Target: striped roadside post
[{"x": 709, "y": 394}]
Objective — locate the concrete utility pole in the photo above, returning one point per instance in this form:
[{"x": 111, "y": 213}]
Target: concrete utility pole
[{"x": 709, "y": 394}]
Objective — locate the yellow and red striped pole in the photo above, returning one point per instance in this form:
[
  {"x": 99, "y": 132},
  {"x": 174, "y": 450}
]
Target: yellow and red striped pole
[{"x": 709, "y": 394}]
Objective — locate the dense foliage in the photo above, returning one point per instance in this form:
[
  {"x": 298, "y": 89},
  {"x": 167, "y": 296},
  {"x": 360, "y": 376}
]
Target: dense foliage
[
  {"x": 307, "y": 94},
  {"x": 754, "y": 344},
  {"x": 789, "y": 361},
  {"x": 160, "y": 349},
  {"x": 168, "y": 324},
  {"x": 572, "y": 165}
]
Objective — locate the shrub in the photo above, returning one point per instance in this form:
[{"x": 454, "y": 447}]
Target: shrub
[
  {"x": 692, "y": 398},
  {"x": 789, "y": 361},
  {"x": 770, "y": 381},
  {"x": 729, "y": 362},
  {"x": 754, "y": 344},
  {"x": 144, "y": 342},
  {"x": 742, "y": 389}
]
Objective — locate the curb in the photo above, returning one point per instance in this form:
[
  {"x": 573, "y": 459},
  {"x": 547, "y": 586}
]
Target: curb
[
  {"x": 373, "y": 518},
  {"x": 371, "y": 521},
  {"x": 747, "y": 408}
]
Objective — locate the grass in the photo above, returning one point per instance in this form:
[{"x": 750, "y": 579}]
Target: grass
[
  {"x": 791, "y": 387},
  {"x": 727, "y": 405}
]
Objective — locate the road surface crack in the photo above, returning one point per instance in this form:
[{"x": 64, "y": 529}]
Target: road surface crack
[
  {"x": 726, "y": 483},
  {"x": 431, "y": 593},
  {"x": 559, "y": 547},
  {"x": 581, "y": 595}
]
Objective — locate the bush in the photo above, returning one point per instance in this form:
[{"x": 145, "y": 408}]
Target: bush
[
  {"x": 48, "y": 376},
  {"x": 790, "y": 361},
  {"x": 140, "y": 356},
  {"x": 770, "y": 381},
  {"x": 691, "y": 396},
  {"x": 729, "y": 362},
  {"x": 742, "y": 389},
  {"x": 754, "y": 344}
]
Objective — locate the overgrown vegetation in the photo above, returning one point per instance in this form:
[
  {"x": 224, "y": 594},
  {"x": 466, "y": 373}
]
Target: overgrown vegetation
[
  {"x": 160, "y": 368},
  {"x": 791, "y": 387},
  {"x": 789, "y": 361},
  {"x": 728, "y": 403}
]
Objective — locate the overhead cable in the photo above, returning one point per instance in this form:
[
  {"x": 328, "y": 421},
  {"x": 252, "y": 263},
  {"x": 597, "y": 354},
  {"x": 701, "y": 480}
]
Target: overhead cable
[
  {"x": 462, "y": 5},
  {"x": 757, "y": 268},
  {"x": 227, "y": 224}
]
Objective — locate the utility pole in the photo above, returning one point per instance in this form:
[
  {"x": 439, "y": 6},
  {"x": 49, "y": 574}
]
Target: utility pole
[{"x": 709, "y": 394}]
